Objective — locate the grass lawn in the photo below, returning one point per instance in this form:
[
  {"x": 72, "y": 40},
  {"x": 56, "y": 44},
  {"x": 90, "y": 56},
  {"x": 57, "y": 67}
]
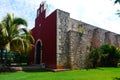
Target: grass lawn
[{"x": 91, "y": 74}]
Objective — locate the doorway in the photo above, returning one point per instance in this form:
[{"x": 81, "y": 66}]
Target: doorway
[{"x": 38, "y": 55}]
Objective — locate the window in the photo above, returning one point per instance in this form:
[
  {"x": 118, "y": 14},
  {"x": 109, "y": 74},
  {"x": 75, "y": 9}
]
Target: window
[
  {"x": 42, "y": 9},
  {"x": 38, "y": 12}
]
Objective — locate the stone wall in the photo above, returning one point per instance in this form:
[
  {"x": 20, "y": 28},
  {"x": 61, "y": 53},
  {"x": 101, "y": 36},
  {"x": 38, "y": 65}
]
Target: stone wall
[
  {"x": 80, "y": 44},
  {"x": 62, "y": 39},
  {"x": 107, "y": 38},
  {"x": 96, "y": 38},
  {"x": 75, "y": 39},
  {"x": 117, "y": 40},
  {"x": 75, "y": 54}
]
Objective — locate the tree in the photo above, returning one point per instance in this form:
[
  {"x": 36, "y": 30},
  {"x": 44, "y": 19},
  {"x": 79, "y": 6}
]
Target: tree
[
  {"x": 117, "y": 1},
  {"x": 13, "y": 37},
  {"x": 118, "y": 11}
]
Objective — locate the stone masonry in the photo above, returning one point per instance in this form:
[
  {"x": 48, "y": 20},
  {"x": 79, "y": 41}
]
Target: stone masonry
[
  {"x": 62, "y": 39},
  {"x": 73, "y": 46}
]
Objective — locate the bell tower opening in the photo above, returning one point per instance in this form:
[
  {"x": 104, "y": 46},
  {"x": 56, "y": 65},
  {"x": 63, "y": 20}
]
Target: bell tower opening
[{"x": 42, "y": 8}]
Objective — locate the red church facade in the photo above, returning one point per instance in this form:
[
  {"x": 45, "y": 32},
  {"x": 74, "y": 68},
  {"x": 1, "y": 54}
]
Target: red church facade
[{"x": 44, "y": 32}]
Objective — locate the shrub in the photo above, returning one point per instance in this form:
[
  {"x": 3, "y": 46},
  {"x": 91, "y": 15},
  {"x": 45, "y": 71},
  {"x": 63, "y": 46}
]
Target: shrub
[
  {"x": 94, "y": 57},
  {"x": 106, "y": 56},
  {"x": 110, "y": 55}
]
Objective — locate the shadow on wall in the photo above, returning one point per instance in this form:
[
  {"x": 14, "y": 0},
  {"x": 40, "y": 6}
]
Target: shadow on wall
[{"x": 116, "y": 78}]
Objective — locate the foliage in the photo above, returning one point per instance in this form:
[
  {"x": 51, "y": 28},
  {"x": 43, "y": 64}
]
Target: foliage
[
  {"x": 110, "y": 55},
  {"x": 106, "y": 55},
  {"x": 117, "y": 1},
  {"x": 118, "y": 11},
  {"x": 81, "y": 30},
  {"x": 20, "y": 58},
  {"x": 94, "y": 57},
  {"x": 13, "y": 37}
]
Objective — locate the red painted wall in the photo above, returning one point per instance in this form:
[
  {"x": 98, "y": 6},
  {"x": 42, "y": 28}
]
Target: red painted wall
[
  {"x": 45, "y": 30},
  {"x": 48, "y": 37}
]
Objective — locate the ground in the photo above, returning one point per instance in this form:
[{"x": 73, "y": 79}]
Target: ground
[{"x": 91, "y": 74}]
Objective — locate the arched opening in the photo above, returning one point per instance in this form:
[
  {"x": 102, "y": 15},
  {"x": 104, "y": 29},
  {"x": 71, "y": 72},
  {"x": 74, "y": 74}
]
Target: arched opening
[{"x": 38, "y": 55}]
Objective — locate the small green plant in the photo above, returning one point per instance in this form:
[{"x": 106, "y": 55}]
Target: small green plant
[{"x": 81, "y": 30}]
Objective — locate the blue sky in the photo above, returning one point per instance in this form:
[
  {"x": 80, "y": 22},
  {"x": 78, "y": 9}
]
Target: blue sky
[{"x": 100, "y": 13}]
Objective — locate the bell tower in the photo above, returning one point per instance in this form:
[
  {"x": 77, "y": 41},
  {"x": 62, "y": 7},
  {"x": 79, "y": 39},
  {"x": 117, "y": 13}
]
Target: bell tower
[
  {"x": 39, "y": 23},
  {"x": 41, "y": 9},
  {"x": 41, "y": 14}
]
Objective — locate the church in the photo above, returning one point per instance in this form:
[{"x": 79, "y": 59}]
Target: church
[{"x": 64, "y": 43}]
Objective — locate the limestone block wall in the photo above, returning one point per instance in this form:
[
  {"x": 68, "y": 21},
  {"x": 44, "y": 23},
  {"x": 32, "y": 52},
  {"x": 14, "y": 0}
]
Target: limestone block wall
[
  {"x": 75, "y": 54},
  {"x": 107, "y": 38},
  {"x": 75, "y": 39},
  {"x": 102, "y": 36},
  {"x": 98, "y": 37},
  {"x": 117, "y": 40},
  {"x": 113, "y": 39},
  {"x": 80, "y": 44},
  {"x": 62, "y": 39}
]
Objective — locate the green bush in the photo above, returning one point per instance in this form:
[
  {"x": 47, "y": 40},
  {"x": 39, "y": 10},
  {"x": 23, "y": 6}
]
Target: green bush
[
  {"x": 106, "y": 56},
  {"x": 18, "y": 58},
  {"x": 21, "y": 58},
  {"x": 110, "y": 55},
  {"x": 94, "y": 57}
]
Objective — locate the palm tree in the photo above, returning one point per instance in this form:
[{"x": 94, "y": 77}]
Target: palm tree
[{"x": 13, "y": 37}]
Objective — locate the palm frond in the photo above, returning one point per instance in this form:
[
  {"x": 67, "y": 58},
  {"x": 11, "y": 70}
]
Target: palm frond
[
  {"x": 20, "y": 39},
  {"x": 20, "y": 21},
  {"x": 22, "y": 45},
  {"x": 18, "y": 42},
  {"x": 7, "y": 22},
  {"x": 23, "y": 30},
  {"x": 26, "y": 35}
]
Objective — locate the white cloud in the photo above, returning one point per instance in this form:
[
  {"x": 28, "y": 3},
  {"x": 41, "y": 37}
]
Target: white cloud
[{"x": 100, "y": 13}]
